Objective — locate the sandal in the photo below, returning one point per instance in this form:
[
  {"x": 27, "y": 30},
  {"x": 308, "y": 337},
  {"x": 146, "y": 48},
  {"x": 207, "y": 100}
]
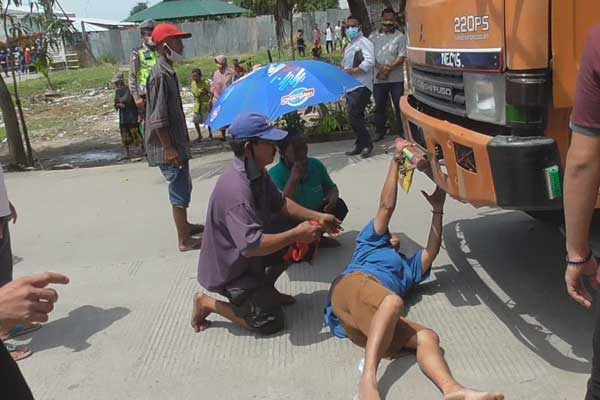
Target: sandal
[
  {"x": 18, "y": 353},
  {"x": 21, "y": 330},
  {"x": 196, "y": 229}
]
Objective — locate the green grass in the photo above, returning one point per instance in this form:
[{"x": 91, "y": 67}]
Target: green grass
[
  {"x": 2, "y": 134},
  {"x": 77, "y": 81}
]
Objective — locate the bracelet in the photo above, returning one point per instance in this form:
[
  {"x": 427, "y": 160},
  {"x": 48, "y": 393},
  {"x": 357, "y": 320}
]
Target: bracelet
[
  {"x": 584, "y": 261},
  {"x": 437, "y": 212}
]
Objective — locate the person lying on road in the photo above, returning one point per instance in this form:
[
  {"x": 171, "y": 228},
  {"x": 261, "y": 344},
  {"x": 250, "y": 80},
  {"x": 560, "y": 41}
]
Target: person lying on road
[{"x": 366, "y": 301}]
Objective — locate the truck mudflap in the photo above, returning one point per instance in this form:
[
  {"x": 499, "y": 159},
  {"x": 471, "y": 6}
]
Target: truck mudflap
[{"x": 522, "y": 173}]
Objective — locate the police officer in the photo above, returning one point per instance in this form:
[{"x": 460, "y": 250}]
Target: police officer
[{"x": 142, "y": 60}]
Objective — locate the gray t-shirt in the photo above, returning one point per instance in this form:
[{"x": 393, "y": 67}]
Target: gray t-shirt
[
  {"x": 388, "y": 48},
  {"x": 240, "y": 211}
]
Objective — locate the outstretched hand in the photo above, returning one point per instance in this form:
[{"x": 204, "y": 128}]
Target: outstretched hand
[
  {"x": 330, "y": 224},
  {"x": 437, "y": 199},
  {"x": 28, "y": 300},
  {"x": 575, "y": 277}
]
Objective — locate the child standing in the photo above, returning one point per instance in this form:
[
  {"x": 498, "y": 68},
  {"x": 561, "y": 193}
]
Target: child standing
[
  {"x": 238, "y": 68},
  {"x": 128, "y": 115},
  {"x": 300, "y": 43},
  {"x": 202, "y": 106}
]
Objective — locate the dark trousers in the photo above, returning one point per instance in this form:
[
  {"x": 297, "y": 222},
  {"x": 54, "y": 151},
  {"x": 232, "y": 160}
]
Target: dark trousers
[
  {"x": 259, "y": 306},
  {"x": 6, "y": 258},
  {"x": 329, "y": 46},
  {"x": 382, "y": 93},
  {"x": 302, "y": 51},
  {"x": 593, "y": 392},
  {"x": 12, "y": 383},
  {"x": 357, "y": 101}
]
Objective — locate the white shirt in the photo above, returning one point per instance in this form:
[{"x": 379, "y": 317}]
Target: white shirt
[
  {"x": 329, "y": 34},
  {"x": 388, "y": 48},
  {"x": 4, "y": 206},
  {"x": 368, "y": 51},
  {"x": 338, "y": 32}
]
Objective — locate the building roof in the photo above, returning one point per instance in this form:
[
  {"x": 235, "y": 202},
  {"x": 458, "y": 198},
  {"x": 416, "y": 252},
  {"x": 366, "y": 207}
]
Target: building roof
[
  {"x": 97, "y": 24},
  {"x": 169, "y": 10}
]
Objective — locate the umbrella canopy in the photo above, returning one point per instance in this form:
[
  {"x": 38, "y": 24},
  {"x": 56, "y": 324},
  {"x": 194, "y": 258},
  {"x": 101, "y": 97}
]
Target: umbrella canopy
[{"x": 281, "y": 88}]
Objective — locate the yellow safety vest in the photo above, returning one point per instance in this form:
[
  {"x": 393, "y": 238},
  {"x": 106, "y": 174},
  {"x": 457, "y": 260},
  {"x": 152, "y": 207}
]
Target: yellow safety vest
[{"x": 147, "y": 61}]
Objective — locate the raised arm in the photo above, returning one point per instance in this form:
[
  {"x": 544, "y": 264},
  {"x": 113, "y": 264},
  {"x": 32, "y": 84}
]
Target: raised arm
[
  {"x": 387, "y": 201},
  {"x": 434, "y": 242}
]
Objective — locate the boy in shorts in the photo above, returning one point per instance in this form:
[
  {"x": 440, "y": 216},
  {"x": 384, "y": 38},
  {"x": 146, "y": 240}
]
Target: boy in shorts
[
  {"x": 202, "y": 103},
  {"x": 366, "y": 301},
  {"x": 128, "y": 115}
]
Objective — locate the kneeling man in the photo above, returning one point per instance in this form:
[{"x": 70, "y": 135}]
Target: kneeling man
[
  {"x": 243, "y": 246},
  {"x": 366, "y": 301}
]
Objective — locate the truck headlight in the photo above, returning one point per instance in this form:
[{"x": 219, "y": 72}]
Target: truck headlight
[{"x": 486, "y": 97}]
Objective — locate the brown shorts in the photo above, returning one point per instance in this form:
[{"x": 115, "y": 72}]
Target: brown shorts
[{"x": 356, "y": 298}]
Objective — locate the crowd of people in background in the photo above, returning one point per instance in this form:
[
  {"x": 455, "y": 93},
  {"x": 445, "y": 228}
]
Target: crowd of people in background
[{"x": 19, "y": 59}]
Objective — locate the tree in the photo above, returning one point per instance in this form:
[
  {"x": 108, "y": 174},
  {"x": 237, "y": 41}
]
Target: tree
[
  {"x": 42, "y": 17},
  {"x": 139, "y": 7},
  {"x": 266, "y": 7}
]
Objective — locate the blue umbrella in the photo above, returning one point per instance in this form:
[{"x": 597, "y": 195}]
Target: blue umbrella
[{"x": 281, "y": 88}]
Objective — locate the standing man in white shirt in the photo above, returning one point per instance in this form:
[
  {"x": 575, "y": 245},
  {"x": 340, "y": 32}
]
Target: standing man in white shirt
[
  {"x": 359, "y": 61},
  {"x": 337, "y": 40},
  {"x": 390, "y": 54},
  {"x": 329, "y": 38}
]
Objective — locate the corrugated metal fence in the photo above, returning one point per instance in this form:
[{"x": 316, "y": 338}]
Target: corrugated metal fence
[{"x": 228, "y": 36}]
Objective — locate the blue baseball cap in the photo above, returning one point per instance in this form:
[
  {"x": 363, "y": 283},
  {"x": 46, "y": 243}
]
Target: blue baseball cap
[{"x": 255, "y": 126}]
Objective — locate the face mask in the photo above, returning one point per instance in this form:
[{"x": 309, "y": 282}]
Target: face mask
[
  {"x": 352, "y": 32},
  {"x": 174, "y": 56}
]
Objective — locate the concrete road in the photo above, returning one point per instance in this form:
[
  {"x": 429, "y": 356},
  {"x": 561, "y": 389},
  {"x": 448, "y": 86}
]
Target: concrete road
[{"x": 121, "y": 328}]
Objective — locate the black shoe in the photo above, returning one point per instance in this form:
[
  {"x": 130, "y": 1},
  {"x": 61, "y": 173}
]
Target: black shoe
[
  {"x": 366, "y": 153},
  {"x": 379, "y": 137},
  {"x": 356, "y": 151}
]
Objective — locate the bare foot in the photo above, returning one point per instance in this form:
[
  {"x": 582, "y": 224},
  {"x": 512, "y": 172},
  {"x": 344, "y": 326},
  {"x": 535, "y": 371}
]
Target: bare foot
[
  {"x": 468, "y": 394},
  {"x": 191, "y": 244},
  {"x": 199, "y": 314},
  {"x": 284, "y": 299},
  {"x": 367, "y": 389}
]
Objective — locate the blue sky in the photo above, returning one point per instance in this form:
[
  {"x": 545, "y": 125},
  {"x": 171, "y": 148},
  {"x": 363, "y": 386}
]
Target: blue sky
[{"x": 108, "y": 9}]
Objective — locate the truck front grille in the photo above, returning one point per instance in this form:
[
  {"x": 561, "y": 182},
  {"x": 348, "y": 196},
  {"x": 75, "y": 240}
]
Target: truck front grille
[{"x": 442, "y": 90}]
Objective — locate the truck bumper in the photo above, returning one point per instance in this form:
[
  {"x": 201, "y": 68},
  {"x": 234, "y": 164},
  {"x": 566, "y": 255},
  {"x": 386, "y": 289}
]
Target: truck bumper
[{"x": 502, "y": 171}]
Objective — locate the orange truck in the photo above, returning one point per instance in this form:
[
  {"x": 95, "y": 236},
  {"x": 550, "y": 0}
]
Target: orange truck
[{"x": 493, "y": 85}]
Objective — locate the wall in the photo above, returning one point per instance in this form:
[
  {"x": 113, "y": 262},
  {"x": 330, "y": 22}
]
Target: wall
[{"x": 227, "y": 36}]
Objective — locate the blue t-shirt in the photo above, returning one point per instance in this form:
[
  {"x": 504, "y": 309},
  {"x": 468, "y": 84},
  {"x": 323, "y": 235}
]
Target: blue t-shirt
[{"x": 375, "y": 256}]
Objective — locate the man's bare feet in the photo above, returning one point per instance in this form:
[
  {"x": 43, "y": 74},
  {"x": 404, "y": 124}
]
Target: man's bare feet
[
  {"x": 190, "y": 244},
  {"x": 468, "y": 394},
  {"x": 284, "y": 299},
  {"x": 367, "y": 389},
  {"x": 199, "y": 314}
]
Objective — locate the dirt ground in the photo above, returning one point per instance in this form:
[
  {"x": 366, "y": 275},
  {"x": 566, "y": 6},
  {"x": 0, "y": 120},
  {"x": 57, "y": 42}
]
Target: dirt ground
[{"x": 83, "y": 131}]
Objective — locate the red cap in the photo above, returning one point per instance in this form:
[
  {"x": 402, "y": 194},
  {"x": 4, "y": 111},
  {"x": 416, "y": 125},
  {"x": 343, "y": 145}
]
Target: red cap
[{"x": 163, "y": 32}]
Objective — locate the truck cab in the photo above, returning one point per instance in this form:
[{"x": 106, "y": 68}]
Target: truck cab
[{"x": 492, "y": 86}]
